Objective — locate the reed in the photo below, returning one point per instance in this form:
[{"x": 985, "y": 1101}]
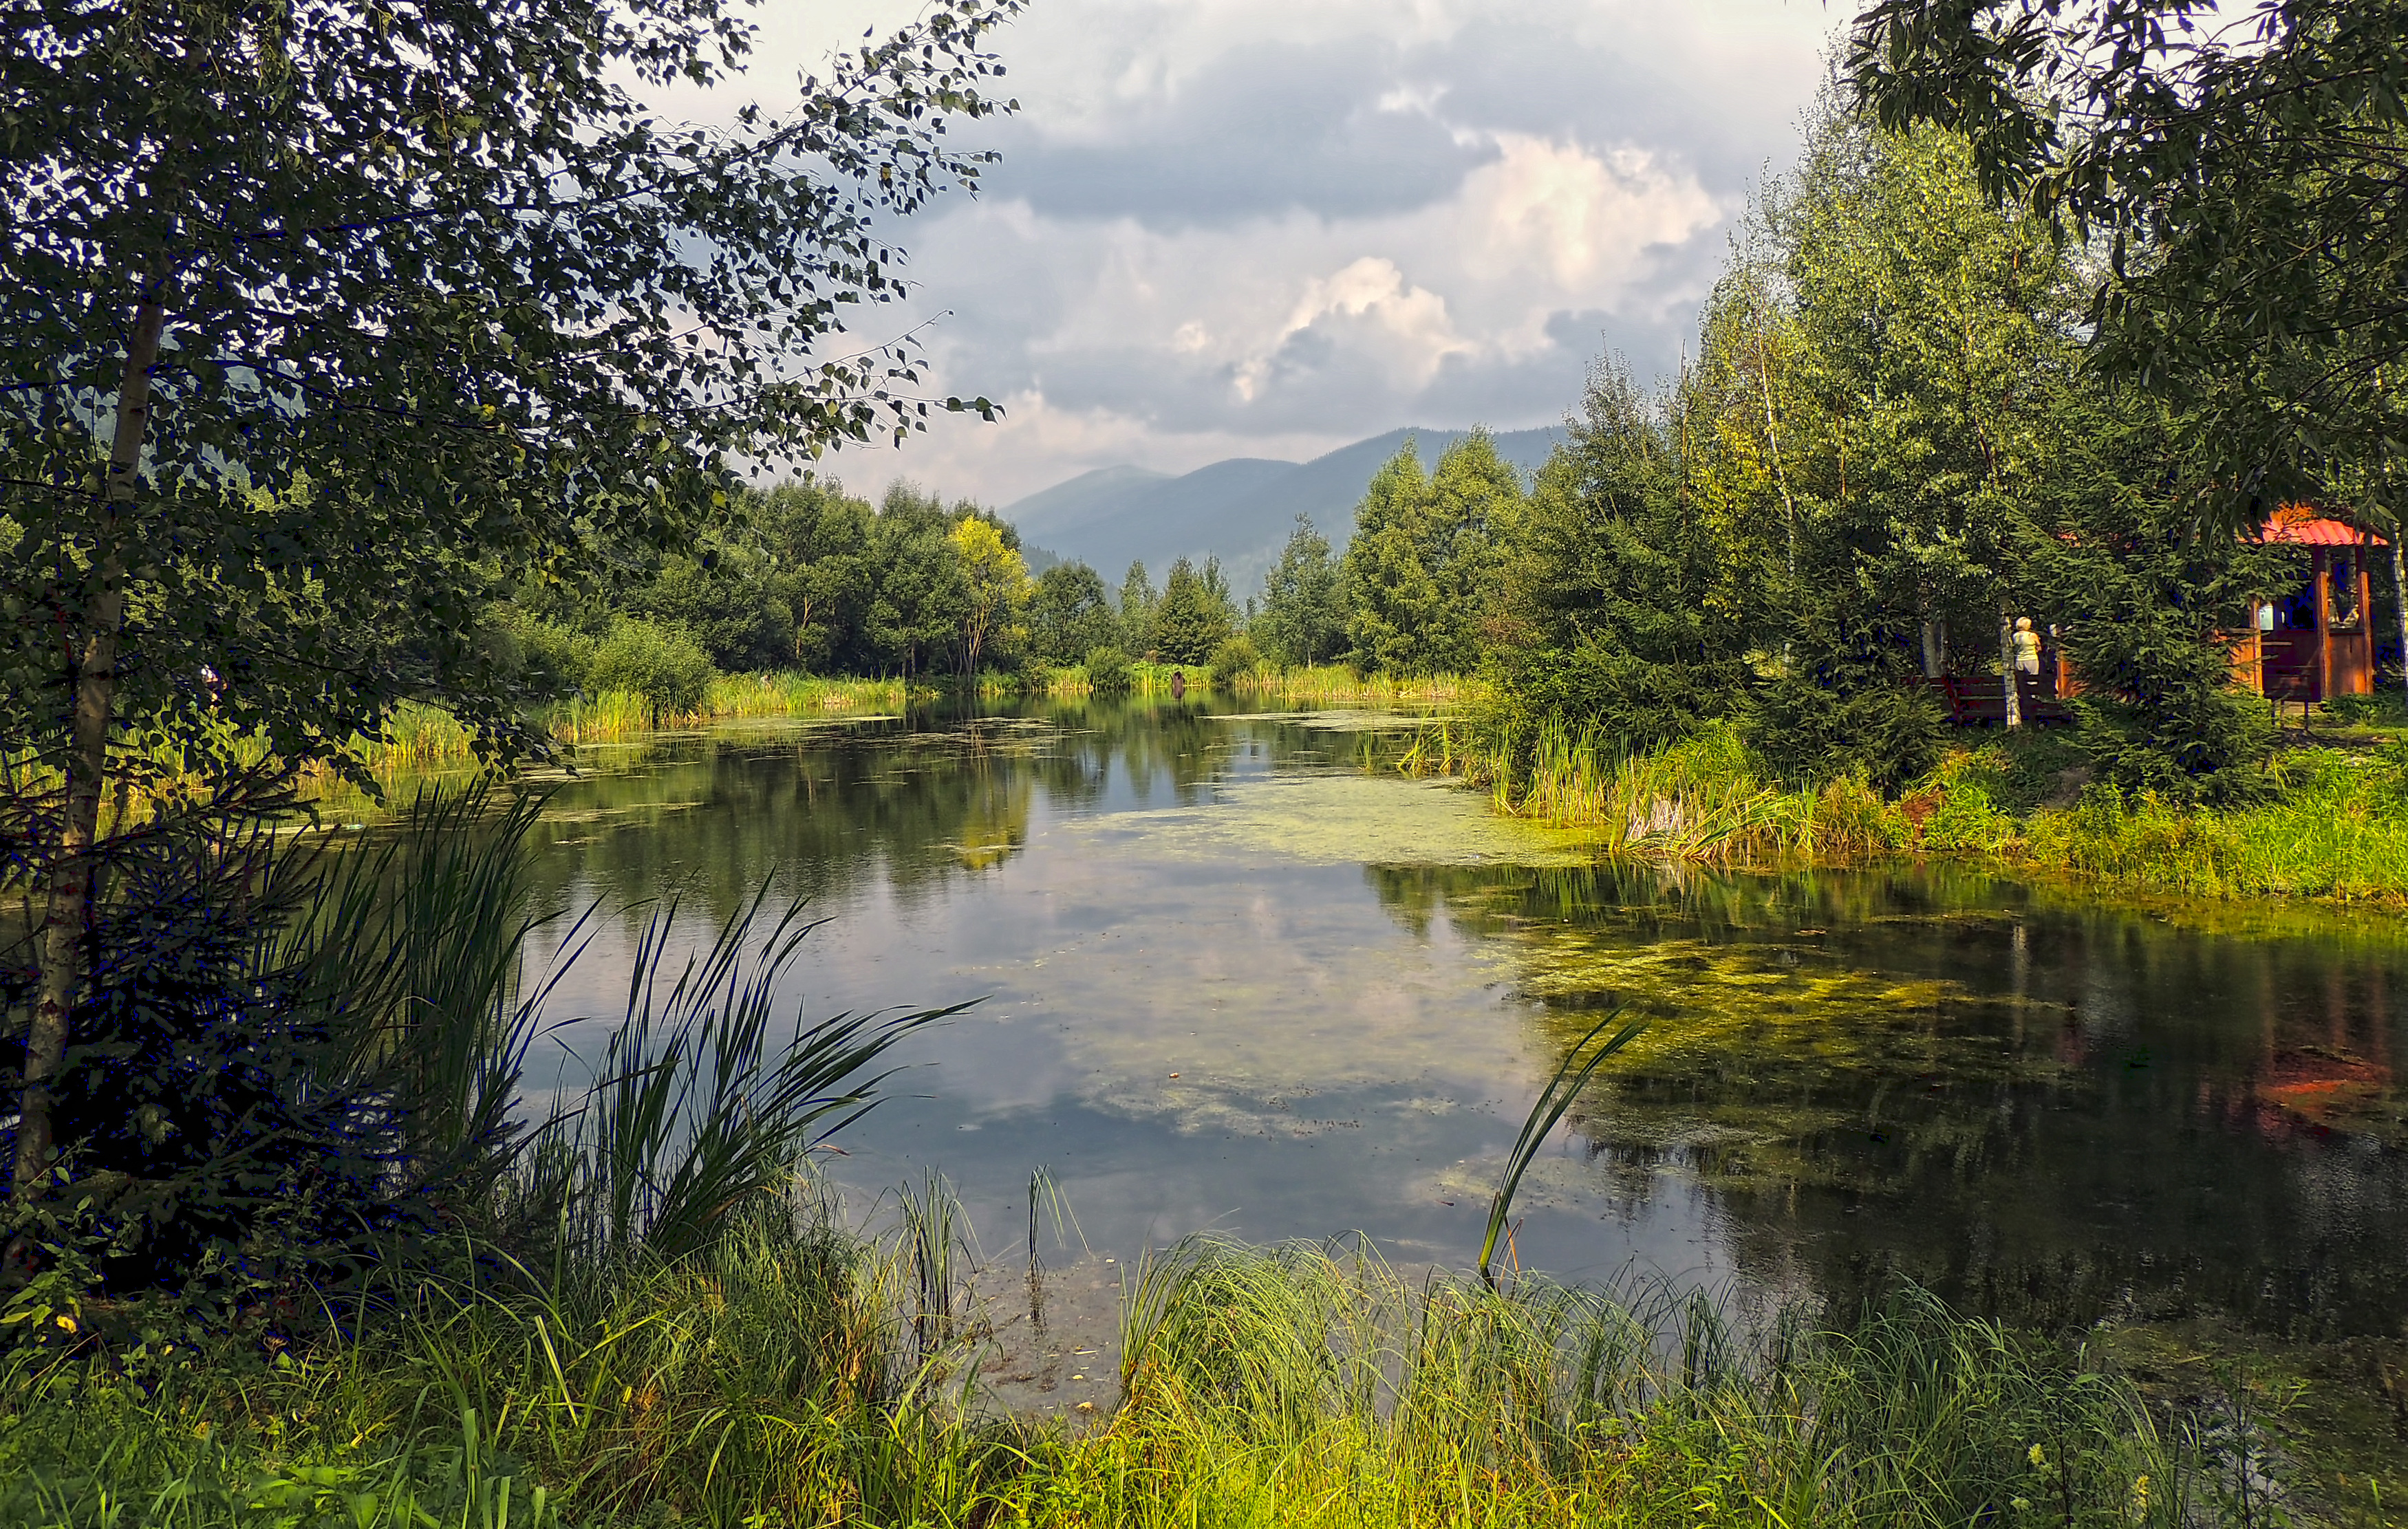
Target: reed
[
  {"x": 1571, "y": 1075},
  {"x": 771, "y": 1379},
  {"x": 1703, "y": 799},
  {"x": 419, "y": 737},
  {"x": 791, "y": 695},
  {"x": 1326, "y": 684},
  {"x": 610, "y": 717},
  {"x": 1144, "y": 679}
]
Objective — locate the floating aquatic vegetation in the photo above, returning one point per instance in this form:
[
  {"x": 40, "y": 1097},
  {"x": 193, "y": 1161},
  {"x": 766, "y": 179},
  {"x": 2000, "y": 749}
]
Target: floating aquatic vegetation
[{"x": 1344, "y": 819}]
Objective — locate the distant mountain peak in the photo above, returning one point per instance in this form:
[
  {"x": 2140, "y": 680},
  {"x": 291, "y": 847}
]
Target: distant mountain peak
[
  {"x": 1079, "y": 500},
  {"x": 1239, "y": 509}
]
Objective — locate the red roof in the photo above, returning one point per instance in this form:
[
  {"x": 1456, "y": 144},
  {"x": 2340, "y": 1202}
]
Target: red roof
[{"x": 2299, "y": 526}]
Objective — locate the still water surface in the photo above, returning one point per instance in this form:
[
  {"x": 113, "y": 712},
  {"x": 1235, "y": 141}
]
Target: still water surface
[{"x": 1235, "y": 972}]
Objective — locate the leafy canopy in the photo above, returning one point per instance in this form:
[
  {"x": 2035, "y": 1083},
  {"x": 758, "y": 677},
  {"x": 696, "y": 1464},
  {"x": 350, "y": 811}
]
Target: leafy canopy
[
  {"x": 2245, "y": 175},
  {"x": 1419, "y": 570},
  {"x": 440, "y": 298},
  {"x": 1303, "y": 617}
]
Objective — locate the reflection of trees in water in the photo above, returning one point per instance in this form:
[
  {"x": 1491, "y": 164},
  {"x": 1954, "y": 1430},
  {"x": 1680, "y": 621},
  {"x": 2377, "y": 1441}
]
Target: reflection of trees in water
[
  {"x": 907, "y": 803},
  {"x": 826, "y": 815},
  {"x": 1171, "y": 754},
  {"x": 2050, "y": 1109},
  {"x": 1165, "y": 753}
]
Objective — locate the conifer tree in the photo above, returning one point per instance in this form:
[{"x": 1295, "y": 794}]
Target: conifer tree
[
  {"x": 1194, "y": 616},
  {"x": 1618, "y": 612}
]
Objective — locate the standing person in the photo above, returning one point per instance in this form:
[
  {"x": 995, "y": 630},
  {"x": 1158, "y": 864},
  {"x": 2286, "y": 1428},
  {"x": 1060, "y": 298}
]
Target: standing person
[{"x": 2027, "y": 664}]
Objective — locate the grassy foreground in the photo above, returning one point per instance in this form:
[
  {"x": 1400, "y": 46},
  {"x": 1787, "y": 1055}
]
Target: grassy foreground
[{"x": 791, "y": 1373}]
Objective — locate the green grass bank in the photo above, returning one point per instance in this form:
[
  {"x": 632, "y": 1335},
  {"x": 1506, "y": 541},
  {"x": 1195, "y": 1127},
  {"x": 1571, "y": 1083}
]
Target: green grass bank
[
  {"x": 2330, "y": 819},
  {"x": 796, "y": 1373}
]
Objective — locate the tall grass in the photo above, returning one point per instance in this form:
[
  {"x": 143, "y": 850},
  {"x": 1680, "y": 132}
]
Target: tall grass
[
  {"x": 1144, "y": 679},
  {"x": 421, "y": 737},
  {"x": 1314, "y": 1384},
  {"x": 1703, "y": 799},
  {"x": 775, "y": 1379},
  {"x": 790, "y": 694},
  {"x": 2333, "y": 823},
  {"x": 2336, "y": 828},
  {"x": 704, "y": 1100},
  {"x": 1323, "y": 684}
]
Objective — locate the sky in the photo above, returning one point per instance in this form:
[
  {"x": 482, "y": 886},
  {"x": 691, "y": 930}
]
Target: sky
[{"x": 1272, "y": 227}]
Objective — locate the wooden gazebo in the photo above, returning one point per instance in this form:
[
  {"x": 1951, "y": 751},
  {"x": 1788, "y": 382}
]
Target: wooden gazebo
[{"x": 2318, "y": 640}]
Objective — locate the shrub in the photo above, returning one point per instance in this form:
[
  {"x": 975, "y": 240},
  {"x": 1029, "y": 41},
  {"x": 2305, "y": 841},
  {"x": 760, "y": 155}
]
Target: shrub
[
  {"x": 1809, "y": 733},
  {"x": 1108, "y": 671},
  {"x": 662, "y": 664},
  {"x": 1236, "y": 655},
  {"x": 1848, "y": 819},
  {"x": 2380, "y": 708},
  {"x": 2190, "y": 743},
  {"x": 547, "y": 658},
  {"x": 1965, "y": 817},
  {"x": 1628, "y": 704}
]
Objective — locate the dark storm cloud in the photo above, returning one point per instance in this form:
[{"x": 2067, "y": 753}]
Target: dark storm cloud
[{"x": 1261, "y": 130}]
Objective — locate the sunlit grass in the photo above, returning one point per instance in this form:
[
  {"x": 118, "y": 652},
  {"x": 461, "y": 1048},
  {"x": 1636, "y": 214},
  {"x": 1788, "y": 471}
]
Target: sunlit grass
[
  {"x": 422, "y": 737},
  {"x": 1145, "y": 680},
  {"x": 792, "y": 695},
  {"x": 1704, "y": 799},
  {"x": 2340, "y": 831},
  {"x": 777, "y": 1379},
  {"x": 2334, "y": 825},
  {"x": 1323, "y": 684}
]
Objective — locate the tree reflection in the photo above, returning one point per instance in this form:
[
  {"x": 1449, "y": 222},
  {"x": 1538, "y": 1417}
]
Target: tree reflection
[
  {"x": 906, "y": 804},
  {"x": 2051, "y": 1110}
]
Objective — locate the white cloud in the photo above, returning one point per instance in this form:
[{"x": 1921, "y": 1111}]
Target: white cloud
[{"x": 1252, "y": 227}]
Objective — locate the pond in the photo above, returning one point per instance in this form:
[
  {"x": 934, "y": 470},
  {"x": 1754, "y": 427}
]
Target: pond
[{"x": 1234, "y": 971}]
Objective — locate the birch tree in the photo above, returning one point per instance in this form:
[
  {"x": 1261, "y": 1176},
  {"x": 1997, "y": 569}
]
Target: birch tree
[{"x": 316, "y": 320}]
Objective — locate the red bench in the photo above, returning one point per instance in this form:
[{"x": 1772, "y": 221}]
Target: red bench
[{"x": 1981, "y": 699}]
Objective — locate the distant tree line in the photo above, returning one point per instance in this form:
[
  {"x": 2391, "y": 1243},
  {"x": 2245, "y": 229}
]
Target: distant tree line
[{"x": 806, "y": 576}]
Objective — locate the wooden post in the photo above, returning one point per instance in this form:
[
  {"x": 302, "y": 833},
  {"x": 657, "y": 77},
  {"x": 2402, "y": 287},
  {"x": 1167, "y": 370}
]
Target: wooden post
[
  {"x": 2014, "y": 712},
  {"x": 2365, "y": 616},
  {"x": 2323, "y": 676}
]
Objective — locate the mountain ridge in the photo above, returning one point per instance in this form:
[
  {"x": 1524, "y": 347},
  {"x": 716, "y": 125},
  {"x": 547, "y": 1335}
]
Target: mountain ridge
[{"x": 1239, "y": 510}]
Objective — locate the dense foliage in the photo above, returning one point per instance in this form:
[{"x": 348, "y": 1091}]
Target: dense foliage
[
  {"x": 321, "y": 325},
  {"x": 2244, "y": 175},
  {"x": 2244, "y": 170},
  {"x": 1885, "y": 451}
]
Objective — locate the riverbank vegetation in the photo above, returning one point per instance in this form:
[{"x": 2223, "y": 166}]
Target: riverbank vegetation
[
  {"x": 2321, "y": 822},
  {"x": 774, "y": 1378}
]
